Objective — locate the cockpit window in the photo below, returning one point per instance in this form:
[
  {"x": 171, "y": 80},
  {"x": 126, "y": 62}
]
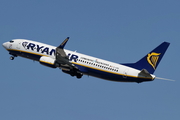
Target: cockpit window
[{"x": 11, "y": 41}]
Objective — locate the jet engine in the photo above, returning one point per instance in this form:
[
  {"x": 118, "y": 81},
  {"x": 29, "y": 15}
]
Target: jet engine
[{"x": 47, "y": 61}]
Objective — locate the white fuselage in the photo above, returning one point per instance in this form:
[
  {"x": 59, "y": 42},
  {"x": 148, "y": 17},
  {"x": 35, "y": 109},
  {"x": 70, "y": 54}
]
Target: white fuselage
[{"x": 87, "y": 64}]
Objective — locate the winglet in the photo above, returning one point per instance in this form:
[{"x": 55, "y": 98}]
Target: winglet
[{"x": 63, "y": 43}]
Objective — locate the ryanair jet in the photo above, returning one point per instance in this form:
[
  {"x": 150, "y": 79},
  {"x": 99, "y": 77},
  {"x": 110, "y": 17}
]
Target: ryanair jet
[{"x": 77, "y": 64}]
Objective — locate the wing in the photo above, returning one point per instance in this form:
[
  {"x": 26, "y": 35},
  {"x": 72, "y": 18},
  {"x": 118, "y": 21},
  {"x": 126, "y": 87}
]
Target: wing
[
  {"x": 61, "y": 57},
  {"x": 62, "y": 61}
]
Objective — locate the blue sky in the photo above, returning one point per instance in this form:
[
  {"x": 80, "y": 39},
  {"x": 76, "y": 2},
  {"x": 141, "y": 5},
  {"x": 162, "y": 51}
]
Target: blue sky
[{"x": 117, "y": 30}]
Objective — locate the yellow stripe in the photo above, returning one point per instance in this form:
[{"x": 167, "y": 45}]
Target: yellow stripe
[{"x": 46, "y": 62}]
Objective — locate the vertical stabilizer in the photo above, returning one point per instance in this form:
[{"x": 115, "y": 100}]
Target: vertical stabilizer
[{"x": 152, "y": 59}]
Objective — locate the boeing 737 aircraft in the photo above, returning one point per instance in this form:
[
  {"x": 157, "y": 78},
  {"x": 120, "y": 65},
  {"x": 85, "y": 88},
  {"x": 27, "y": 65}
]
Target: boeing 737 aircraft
[{"x": 77, "y": 64}]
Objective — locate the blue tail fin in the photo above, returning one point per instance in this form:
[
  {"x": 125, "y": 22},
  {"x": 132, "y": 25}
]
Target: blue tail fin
[{"x": 151, "y": 60}]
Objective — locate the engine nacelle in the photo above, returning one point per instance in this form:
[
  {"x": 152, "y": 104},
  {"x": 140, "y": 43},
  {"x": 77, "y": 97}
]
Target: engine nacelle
[{"x": 47, "y": 61}]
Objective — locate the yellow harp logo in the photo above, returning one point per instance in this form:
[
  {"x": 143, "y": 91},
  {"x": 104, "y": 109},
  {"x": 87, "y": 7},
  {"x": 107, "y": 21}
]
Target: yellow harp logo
[{"x": 152, "y": 59}]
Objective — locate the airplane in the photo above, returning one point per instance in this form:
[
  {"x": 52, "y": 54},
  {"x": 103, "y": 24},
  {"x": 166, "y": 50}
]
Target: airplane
[{"x": 77, "y": 64}]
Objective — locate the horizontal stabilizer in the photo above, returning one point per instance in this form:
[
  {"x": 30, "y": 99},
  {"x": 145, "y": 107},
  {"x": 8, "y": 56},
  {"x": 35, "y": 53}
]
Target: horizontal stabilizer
[{"x": 144, "y": 73}]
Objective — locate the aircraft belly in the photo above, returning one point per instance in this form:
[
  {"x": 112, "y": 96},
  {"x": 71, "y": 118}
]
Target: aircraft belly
[
  {"x": 99, "y": 74},
  {"x": 109, "y": 76}
]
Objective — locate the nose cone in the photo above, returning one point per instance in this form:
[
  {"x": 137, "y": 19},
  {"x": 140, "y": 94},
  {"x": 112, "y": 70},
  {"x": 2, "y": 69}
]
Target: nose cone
[{"x": 5, "y": 45}]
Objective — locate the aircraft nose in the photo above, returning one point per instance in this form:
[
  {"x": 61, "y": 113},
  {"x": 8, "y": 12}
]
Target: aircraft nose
[{"x": 4, "y": 45}]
